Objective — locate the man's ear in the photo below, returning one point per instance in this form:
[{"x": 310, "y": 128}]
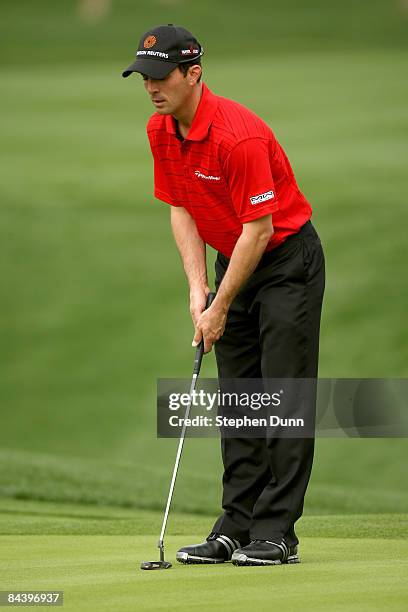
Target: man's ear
[{"x": 194, "y": 73}]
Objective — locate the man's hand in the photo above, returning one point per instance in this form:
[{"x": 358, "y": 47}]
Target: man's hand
[{"x": 210, "y": 326}]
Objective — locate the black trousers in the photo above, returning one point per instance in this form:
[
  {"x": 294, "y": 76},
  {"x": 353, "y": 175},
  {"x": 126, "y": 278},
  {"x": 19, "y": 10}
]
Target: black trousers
[{"x": 272, "y": 331}]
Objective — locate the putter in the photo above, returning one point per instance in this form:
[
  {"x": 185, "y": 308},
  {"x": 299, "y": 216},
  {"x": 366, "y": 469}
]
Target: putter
[{"x": 162, "y": 564}]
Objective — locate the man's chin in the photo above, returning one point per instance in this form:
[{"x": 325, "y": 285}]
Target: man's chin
[{"x": 162, "y": 109}]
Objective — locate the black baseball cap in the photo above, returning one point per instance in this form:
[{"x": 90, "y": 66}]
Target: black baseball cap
[{"x": 162, "y": 49}]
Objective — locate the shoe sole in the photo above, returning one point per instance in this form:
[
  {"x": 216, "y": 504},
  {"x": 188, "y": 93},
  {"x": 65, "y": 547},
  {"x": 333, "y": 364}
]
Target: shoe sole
[
  {"x": 183, "y": 557},
  {"x": 241, "y": 559}
]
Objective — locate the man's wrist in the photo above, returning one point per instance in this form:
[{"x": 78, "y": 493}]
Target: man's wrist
[
  {"x": 199, "y": 287},
  {"x": 221, "y": 302}
]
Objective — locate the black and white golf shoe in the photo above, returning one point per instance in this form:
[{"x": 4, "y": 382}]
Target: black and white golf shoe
[
  {"x": 217, "y": 548},
  {"x": 264, "y": 552}
]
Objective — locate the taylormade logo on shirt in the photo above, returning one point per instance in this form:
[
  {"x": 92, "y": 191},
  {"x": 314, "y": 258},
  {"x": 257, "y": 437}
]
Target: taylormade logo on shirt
[
  {"x": 210, "y": 177},
  {"x": 262, "y": 197}
]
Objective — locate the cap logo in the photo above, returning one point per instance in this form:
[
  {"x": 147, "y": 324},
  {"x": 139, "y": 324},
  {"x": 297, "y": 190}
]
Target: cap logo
[
  {"x": 190, "y": 51},
  {"x": 149, "y": 42}
]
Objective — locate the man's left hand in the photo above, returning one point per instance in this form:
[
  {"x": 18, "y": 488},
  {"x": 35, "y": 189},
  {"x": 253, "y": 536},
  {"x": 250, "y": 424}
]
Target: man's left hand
[{"x": 210, "y": 326}]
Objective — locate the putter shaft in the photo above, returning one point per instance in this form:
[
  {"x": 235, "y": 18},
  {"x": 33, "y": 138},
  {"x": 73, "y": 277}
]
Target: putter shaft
[
  {"x": 176, "y": 465},
  {"x": 197, "y": 366}
]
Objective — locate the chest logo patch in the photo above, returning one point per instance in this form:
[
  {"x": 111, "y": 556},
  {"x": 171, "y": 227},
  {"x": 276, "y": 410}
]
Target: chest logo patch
[
  {"x": 262, "y": 197},
  {"x": 207, "y": 177}
]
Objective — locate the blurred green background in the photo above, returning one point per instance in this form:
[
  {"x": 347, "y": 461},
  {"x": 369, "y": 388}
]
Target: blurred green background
[{"x": 93, "y": 300}]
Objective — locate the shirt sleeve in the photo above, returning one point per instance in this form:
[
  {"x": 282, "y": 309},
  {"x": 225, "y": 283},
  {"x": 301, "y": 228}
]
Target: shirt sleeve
[
  {"x": 162, "y": 188},
  {"x": 249, "y": 177}
]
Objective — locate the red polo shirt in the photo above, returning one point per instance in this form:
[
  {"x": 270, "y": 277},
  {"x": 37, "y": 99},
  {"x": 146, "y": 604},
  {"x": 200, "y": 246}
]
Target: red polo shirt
[{"x": 228, "y": 171}]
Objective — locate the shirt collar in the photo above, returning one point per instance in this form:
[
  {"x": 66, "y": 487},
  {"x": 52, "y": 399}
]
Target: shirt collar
[{"x": 202, "y": 119}]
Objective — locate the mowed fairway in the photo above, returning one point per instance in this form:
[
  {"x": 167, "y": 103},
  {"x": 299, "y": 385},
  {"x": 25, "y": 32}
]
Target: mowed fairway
[{"x": 365, "y": 569}]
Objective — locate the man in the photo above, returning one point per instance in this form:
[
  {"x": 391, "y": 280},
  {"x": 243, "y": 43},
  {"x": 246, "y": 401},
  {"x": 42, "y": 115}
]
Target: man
[{"x": 230, "y": 185}]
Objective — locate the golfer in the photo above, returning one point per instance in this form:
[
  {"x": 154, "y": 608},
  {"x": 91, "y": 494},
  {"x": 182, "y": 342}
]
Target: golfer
[{"x": 230, "y": 185}]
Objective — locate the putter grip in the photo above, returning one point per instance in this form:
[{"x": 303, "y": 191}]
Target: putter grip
[{"x": 200, "y": 348}]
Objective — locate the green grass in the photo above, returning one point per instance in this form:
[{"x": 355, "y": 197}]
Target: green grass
[
  {"x": 349, "y": 477},
  {"x": 102, "y": 572},
  {"x": 353, "y": 562},
  {"x": 28, "y": 517},
  {"x": 54, "y": 33}
]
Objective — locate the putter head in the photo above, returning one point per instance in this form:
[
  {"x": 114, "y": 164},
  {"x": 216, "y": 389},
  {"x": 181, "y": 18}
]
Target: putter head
[{"x": 154, "y": 565}]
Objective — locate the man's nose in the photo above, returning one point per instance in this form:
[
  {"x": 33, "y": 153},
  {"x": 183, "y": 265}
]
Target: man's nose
[{"x": 151, "y": 85}]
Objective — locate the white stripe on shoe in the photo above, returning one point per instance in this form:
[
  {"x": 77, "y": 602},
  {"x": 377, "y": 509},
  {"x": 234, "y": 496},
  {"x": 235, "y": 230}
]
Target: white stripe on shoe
[
  {"x": 286, "y": 549},
  {"x": 234, "y": 543},
  {"x": 229, "y": 544},
  {"x": 283, "y": 547}
]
